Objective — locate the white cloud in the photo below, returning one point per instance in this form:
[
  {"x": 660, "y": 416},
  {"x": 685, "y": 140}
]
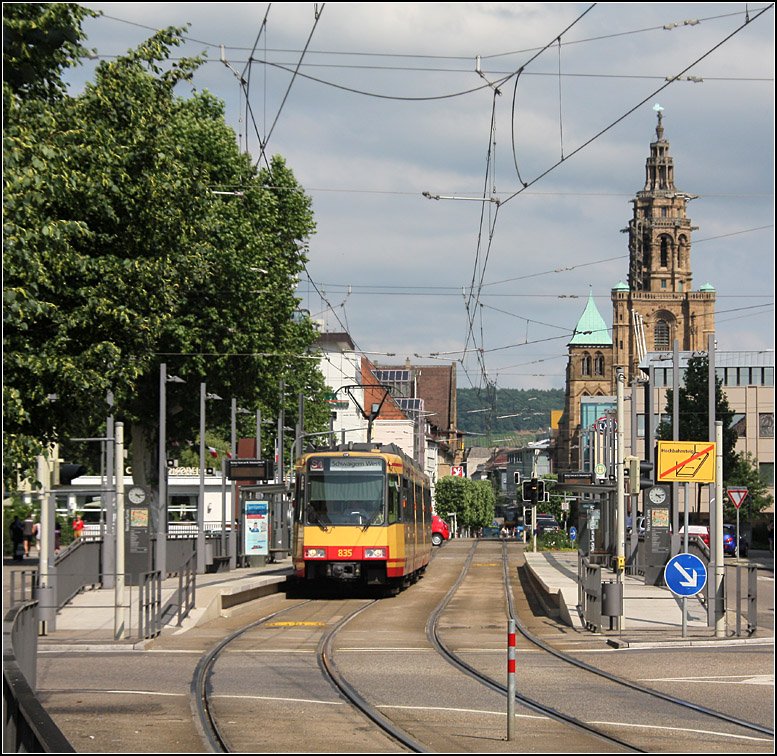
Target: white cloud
[{"x": 365, "y": 160}]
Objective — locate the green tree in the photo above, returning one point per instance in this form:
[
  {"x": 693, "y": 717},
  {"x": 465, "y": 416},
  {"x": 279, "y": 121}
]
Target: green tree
[
  {"x": 41, "y": 40},
  {"x": 745, "y": 474},
  {"x": 694, "y": 412},
  {"x": 120, "y": 256},
  {"x": 472, "y": 501}
]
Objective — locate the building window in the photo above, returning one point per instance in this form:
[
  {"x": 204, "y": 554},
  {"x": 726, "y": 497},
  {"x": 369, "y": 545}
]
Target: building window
[
  {"x": 664, "y": 252},
  {"x": 585, "y": 367},
  {"x": 739, "y": 424},
  {"x": 766, "y": 473},
  {"x": 599, "y": 364},
  {"x": 766, "y": 425},
  {"x": 661, "y": 334},
  {"x": 640, "y": 426},
  {"x": 663, "y": 283}
]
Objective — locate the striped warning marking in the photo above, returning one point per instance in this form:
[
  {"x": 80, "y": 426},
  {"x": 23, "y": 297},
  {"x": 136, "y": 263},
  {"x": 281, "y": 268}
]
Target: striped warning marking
[{"x": 295, "y": 624}]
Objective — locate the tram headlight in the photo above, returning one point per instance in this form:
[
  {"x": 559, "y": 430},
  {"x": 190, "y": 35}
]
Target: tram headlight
[
  {"x": 315, "y": 553},
  {"x": 375, "y": 553}
]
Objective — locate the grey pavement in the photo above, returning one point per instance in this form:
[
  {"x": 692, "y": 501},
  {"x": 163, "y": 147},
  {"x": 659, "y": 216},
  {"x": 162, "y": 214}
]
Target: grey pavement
[{"x": 651, "y": 614}]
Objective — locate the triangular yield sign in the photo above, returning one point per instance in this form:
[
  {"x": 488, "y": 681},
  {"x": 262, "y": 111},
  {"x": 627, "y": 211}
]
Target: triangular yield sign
[{"x": 737, "y": 496}]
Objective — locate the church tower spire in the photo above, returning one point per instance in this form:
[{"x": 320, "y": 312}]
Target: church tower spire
[
  {"x": 658, "y": 305},
  {"x": 660, "y": 230}
]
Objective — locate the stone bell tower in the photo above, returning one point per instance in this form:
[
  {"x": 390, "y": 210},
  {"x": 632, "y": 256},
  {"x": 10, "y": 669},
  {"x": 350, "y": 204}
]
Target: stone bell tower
[{"x": 658, "y": 304}]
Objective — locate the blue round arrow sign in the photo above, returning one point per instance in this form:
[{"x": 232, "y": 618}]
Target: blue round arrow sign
[{"x": 685, "y": 575}]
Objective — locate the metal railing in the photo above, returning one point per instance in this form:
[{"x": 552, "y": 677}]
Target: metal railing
[
  {"x": 27, "y": 726},
  {"x": 589, "y": 593},
  {"x": 150, "y": 604},
  {"x": 741, "y": 597}
]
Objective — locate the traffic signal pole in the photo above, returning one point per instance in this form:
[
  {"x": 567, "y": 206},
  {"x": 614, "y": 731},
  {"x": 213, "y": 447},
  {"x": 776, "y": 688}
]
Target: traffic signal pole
[{"x": 620, "y": 522}]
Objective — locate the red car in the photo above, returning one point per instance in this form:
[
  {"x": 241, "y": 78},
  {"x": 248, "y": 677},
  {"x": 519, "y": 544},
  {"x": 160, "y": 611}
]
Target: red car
[{"x": 440, "y": 530}]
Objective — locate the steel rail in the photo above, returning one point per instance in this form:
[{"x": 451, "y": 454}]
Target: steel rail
[
  {"x": 620, "y": 680},
  {"x": 432, "y": 634},
  {"x": 328, "y": 666},
  {"x": 207, "y": 725}
]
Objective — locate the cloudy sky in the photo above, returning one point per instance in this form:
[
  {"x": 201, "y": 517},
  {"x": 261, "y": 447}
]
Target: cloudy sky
[{"x": 402, "y": 116}]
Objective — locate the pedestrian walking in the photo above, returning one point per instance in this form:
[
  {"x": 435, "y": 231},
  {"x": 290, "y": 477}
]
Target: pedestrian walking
[
  {"x": 29, "y": 525},
  {"x": 17, "y": 537},
  {"x": 78, "y": 527}
]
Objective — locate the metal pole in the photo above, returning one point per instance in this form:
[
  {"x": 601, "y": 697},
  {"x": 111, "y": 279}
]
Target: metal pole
[
  {"x": 720, "y": 614},
  {"x": 534, "y": 501},
  {"x": 109, "y": 540},
  {"x": 675, "y": 437},
  {"x": 711, "y": 410},
  {"x": 201, "y": 496},
  {"x": 620, "y": 483},
  {"x": 281, "y": 420},
  {"x": 161, "y": 522},
  {"x": 119, "y": 630},
  {"x": 258, "y": 434},
  {"x": 685, "y": 551},
  {"x": 633, "y": 499},
  {"x": 511, "y": 680},
  {"x": 233, "y": 487}
]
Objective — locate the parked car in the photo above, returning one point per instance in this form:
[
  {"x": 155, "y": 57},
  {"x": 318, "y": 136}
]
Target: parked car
[
  {"x": 440, "y": 530},
  {"x": 730, "y": 540},
  {"x": 546, "y": 523},
  {"x": 700, "y": 531}
]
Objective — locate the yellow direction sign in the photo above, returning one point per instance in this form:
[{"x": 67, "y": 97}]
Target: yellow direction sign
[{"x": 686, "y": 461}]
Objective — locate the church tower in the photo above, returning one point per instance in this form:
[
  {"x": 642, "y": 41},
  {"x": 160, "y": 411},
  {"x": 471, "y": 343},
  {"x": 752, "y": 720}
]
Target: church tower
[
  {"x": 655, "y": 307},
  {"x": 590, "y": 372},
  {"x": 658, "y": 304}
]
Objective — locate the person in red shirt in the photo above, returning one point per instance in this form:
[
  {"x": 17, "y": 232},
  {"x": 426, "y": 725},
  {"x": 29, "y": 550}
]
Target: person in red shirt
[{"x": 78, "y": 527}]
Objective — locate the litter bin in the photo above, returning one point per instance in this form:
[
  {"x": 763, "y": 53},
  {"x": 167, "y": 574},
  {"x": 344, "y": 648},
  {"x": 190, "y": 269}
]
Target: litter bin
[{"x": 612, "y": 598}]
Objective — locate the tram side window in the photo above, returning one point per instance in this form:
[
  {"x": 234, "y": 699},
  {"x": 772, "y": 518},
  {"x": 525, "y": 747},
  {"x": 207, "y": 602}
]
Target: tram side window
[
  {"x": 394, "y": 500},
  {"x": 299, "y": 492},
  {"x": 407, "y": 502}
]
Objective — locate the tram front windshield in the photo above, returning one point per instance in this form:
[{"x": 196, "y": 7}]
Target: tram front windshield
[{"x": 346, "y": 498}]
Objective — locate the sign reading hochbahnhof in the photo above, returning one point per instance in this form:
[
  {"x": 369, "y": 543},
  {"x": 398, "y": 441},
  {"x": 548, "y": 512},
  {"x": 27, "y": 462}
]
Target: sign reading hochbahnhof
[{"x": 686, "y": 461}]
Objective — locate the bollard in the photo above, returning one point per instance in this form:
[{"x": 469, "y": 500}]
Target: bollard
[{"x": 511, "y": 680}]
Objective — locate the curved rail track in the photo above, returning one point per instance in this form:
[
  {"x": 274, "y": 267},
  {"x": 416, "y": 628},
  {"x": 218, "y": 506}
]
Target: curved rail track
[
  {"x": 637, "y": 698},
  {"x": 433, "y": 633}
]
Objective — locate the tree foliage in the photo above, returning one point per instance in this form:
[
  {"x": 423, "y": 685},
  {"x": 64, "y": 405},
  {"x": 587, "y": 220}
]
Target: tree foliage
[
  {"x": 472, "y": 501},
  {"x": 41, "y": 40},
  {"x": 745, "y": 474},
  {"x": 694, "y": 412},
  {"x": 119, "y": 256}
]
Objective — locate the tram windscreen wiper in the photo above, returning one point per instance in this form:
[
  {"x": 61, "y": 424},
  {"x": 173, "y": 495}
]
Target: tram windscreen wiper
[{"x": 313, "y": 517}]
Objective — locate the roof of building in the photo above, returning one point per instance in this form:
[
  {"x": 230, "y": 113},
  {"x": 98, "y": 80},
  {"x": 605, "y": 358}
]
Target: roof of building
[
  {"x": 331, "y": 340},
  {"x": 764, "y": 358},
  {"x": 591, "y": 330}
]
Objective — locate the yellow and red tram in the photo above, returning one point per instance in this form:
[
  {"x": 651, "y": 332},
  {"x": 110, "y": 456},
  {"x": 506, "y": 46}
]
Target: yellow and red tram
[{"x": 362, "y": 514}]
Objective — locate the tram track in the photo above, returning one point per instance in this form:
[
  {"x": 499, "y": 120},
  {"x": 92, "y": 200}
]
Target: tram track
[
  {"x": 351, "y": 670},
  {"x": 681, "y": 709},
  {"x": 216, "y": 736}
]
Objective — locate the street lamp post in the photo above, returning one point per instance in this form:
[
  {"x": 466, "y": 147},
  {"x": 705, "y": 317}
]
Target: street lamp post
[
  {"x": 235, "y": 513},
  {"x": 161, "y": 522},
  {"x": 201, "y": 498}
]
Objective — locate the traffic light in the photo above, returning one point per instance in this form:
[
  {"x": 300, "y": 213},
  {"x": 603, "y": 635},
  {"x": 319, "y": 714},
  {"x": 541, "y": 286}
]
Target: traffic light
[
  {"x": 68, "y": 472},
  {"x": 533, "y": 490},
  {"x": 631, "y": 465},
  {"x": 646, "y": 474}
]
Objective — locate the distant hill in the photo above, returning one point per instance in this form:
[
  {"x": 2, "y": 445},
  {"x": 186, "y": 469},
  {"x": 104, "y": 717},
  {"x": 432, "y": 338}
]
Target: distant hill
[{"x": 482, "y": 412}]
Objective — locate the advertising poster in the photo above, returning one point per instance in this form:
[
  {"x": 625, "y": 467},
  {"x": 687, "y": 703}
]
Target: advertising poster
[{"x": 256, "y": 530}]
